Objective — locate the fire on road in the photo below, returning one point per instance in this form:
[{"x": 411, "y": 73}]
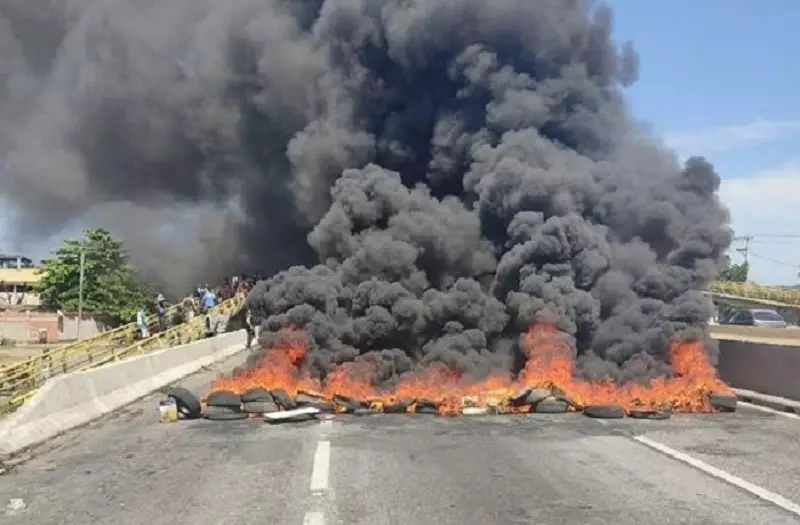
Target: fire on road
[{"x": 380, "y": 469}]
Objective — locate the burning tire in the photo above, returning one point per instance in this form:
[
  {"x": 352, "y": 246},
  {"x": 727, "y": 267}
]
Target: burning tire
[
  {"x": 551, "y": 406},
  {"x": 347, "y": 404},
  {"x": 323, "y": 405},
  {"x": 224, "y": 398},
  {"x": 188, "y": 404},
  {"x": 640, "y": 413},
  {"x": 257, "y": 394},
  {"x": 604, "y": 411},
  {"x": 282, "y": 399},
  {"x": 723, "y": 403},
  {"x": 521, "y": 397},
  {"x": 307, "y": 400},
  {"x": 426, "y": 407},
  {"x": 259, "y": 407},
  {"x": 223, "y": 413},
  {"x": 398, "y": 408},
  {"x": 537, "y": 395}
]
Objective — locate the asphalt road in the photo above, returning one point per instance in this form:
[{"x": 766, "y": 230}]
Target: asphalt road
[{"x": 412, "y": 469}]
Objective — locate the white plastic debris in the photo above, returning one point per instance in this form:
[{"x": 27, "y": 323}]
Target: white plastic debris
[
  {"x": 15, "y": 506},
  {"x": 297, "y": 414},
  {"x": 476, "y": 411}
]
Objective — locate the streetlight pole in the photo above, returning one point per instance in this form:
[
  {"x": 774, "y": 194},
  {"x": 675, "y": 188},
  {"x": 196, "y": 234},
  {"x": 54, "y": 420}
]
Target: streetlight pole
[{"x": 80, "y": 291}]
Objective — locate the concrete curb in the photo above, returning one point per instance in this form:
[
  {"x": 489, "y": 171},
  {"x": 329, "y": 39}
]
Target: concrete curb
[
  {"x": 74, "y": 399},
  {"x": 774, "y": 402}
]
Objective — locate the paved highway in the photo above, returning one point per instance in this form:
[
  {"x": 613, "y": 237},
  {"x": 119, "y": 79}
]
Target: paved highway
[{"x": 128, "y": 469}]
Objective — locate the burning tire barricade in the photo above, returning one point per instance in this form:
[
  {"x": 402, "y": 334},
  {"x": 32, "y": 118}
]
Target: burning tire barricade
[{"x": 280, "y": 388}]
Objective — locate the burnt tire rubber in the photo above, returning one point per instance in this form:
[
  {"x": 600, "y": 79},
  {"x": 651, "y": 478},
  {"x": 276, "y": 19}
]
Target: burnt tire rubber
[
  {"x": 640, "y": 413},
  {"x": 520, "y": 398},
  {"x": 305, "y": 400},
  {"x": 346, "y": 400},
  {"x": 400, "y": 407},
  {"x": 257, "y": 394},
  {"x": 363, "y": 412},
  {"x": 323, "y": 405},
  {"x": 346, "y": 404},
  {"x": 188, "y": 404},
  {"x": 259, "y": 407},
  {"x": 282, "y": 399},
  {"x": 224, "y": 398},
  {"x": 426, "y": 407},
  {"x": 723, "y": 402},
  {"x": 537, "y": 395},
  {"x": 217, "y": 413},
  {"x": 551, "y": 406},
  {"x": 604, "y": 411}
]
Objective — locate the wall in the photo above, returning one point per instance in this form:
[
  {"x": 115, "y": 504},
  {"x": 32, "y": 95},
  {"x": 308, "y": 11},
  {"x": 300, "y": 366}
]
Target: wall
[
  {"x": 23, "y": 326},
  {"x": 768, "y": 369}
]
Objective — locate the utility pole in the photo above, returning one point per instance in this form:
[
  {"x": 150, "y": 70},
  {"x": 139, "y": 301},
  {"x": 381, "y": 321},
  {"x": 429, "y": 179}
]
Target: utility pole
[
  {"x": 743, "y": 251},
  {"x": 80, "y": 291}
]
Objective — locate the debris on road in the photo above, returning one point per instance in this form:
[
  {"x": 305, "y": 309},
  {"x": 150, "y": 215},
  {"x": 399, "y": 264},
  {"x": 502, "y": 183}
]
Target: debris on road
[
  {"x": 604, "y": 411},
  {"x": 168, "y": 410},
  {"x": 292, "y": 416},
  {"x": 188, "y": 405},
  {"x": 257, "y": 394},
  {"x": 551, "y": 405},
  {"x": 283, "y": 399},
  {"x": 650, "y": 414},
  {"x": 224, "y": 398},
  {"x": 224, "y": 413},
  {"x": 477, "y": 411},
  {"x": 723, "y": 402},
  {"x": 259, "y": 407}
]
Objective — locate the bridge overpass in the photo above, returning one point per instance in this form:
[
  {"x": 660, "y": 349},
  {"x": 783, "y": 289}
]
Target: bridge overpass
[{"x": 125, "y": 467}]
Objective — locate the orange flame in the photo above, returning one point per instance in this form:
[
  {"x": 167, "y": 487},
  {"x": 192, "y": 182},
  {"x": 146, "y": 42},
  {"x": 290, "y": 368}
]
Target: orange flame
[{"x": 549, "y": 365}]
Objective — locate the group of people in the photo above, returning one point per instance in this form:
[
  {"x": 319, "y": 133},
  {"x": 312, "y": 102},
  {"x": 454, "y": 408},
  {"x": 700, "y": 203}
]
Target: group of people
[{"x": 201, "y": 302}]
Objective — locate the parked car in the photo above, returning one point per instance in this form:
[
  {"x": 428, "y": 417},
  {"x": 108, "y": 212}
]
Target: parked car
[{"x": 758, "y": 317}]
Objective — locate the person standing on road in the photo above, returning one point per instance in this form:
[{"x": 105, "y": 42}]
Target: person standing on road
[{"x": 248, "y": 326}]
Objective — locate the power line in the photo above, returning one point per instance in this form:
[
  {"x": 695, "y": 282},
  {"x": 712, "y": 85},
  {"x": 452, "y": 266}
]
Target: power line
[{"x": 774, "y": 261}]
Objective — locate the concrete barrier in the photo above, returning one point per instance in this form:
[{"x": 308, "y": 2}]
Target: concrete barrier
[
  {"x": 768, "y": 369},
  {"x": 74, "y": 399}
]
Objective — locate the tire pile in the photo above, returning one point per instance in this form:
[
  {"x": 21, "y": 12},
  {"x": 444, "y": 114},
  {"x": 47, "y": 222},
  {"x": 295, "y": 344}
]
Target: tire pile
[{"x": 224, "y": 405}]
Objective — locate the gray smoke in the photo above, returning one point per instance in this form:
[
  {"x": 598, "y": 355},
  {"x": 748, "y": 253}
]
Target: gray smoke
[{"x": 464, "y": 168}]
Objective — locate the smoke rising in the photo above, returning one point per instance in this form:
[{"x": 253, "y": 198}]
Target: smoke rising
[{"x": 458, "y": 169}]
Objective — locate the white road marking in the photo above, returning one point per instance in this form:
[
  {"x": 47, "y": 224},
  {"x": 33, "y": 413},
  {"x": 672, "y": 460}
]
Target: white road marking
[
  {"x": 321, "y": 468},
  {"x": 768, "y": 410},
  {"x": 314, "y": 518},
  {"x": 720, "y": 474}
]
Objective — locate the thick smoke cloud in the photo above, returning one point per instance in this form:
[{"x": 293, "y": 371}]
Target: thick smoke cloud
[{"x": 458, "y": 169}]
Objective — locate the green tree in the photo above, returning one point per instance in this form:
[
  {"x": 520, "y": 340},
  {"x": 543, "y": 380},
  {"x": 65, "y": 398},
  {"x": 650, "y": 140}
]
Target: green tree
[
  {"x": 111, "y": 285},
  {"x": 736, "y": 273}
]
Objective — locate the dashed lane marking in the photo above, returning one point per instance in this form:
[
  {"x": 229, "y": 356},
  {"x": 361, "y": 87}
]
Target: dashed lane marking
[
  {"x": 321, "y": 468},
  {"x": 314, "y": 518}
]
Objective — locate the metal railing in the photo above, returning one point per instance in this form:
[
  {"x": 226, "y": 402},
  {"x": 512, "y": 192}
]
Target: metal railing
[
  {"x": 756, "y": 292},
  {"x": 78, "y": 349},
  {"x": 18, "y": 386}
]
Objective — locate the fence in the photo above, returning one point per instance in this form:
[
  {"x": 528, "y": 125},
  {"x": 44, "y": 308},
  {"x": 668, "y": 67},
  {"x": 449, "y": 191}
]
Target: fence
[
  {"x": 753, "y": 291},
  {"x": 20, "y": 381}
]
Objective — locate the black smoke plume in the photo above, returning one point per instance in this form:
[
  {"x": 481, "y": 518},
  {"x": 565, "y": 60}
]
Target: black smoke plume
[{"x": 464, "y": 167}]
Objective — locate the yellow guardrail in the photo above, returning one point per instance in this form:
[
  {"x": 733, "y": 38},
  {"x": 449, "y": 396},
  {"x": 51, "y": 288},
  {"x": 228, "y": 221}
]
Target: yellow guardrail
[
  {"x": 17, "y": 388},
  {"x": 756, "y": 292},
  {"x": 84, "y": 347}
]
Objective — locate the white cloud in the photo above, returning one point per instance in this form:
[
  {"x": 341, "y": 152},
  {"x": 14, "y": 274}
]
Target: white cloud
[
  {"x": 767, "y": 205},
  {"x": 728, "y": 138}
]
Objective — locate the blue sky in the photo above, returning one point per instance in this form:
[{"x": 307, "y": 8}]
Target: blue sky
[{"x": 721, "y": 78}]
